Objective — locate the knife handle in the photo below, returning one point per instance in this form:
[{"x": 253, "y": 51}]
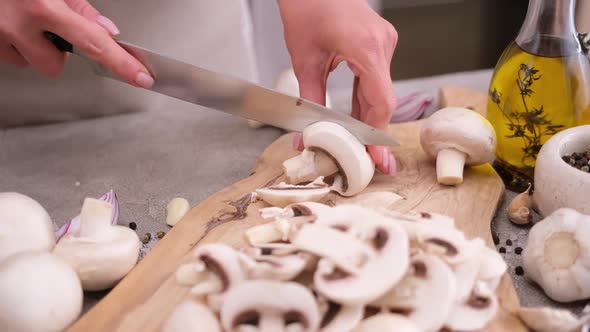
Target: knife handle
[{"x": 61, "y": 44}]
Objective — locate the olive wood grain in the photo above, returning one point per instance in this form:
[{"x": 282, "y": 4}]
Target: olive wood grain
[{"x": 143, "y": 300}]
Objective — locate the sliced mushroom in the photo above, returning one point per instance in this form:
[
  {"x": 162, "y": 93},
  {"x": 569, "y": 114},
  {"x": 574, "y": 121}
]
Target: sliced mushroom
[
  {"x": 285, "y": 222},
  {"x": 269, "y": 306},
  {"x": 492, "y": 267},
  {"x": 544, "y": 319},
  {"x": 284, "y": 194},
  {"x": 192, "y": 316},
  {"x": 268, "y": 266},
  {"x": 466, "y": 272},
  {"x": 336, "y": 317},
  {"x": 447, "y": 243},
  {"x": 556, "y": 255},
  {"x": 218, "y": 269},
  {"x": 355, "y": 166},
  {"x": 456, "y": 137},
  {"x": 387, "y": 256},
  {"x": 385, "y": 322},
  {"x": 475, "y": 312},
  {"x": 425, "y": 295}
]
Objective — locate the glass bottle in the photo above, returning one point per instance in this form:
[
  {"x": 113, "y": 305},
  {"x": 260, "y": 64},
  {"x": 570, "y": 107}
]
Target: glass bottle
[{"x": 540, "y": 86}]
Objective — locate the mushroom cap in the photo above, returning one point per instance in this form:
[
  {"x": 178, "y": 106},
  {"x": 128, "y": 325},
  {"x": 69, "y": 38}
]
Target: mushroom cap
[
  {"x": 561, "y": 284},
  {"x": 102, "y": 260},
  {"x": 460, "y": 129},
  {"x": 351, "y": 156},
  {"x": 270, "y": 306},
  {"x": 38, "y": 292},
  {"x": 192, "y": 316},
  {"x": 24, "y": 225},
  {"x": 386, "y": 322}
]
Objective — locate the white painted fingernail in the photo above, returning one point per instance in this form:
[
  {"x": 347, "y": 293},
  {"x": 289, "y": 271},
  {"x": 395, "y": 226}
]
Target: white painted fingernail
[
  {"x": 144, "y": 80},
  {"x": 109, "y": 25}
]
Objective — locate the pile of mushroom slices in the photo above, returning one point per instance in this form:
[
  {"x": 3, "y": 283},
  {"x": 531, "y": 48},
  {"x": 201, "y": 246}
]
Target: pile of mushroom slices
[{"x": 312, "y": 267}]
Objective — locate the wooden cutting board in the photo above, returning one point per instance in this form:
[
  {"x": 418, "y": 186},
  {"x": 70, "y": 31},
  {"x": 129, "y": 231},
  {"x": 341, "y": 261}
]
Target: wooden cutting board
[{"x": 144, "y": 299}]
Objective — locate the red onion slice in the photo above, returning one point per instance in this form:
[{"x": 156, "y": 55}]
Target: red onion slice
[
  {"x": 411, "y": 107},
  {"x": 74, "y": 224}
]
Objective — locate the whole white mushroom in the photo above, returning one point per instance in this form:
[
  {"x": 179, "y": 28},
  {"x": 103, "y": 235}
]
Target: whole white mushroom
[
  {"x": 39, "y": 292},
  {"x": 24, "y": 225}
]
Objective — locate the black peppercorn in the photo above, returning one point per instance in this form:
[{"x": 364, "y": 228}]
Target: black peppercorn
[
  {"x": 508, "y": 242},
  {"x": 518, "y": 250},
  {"x": 502, "y": 250},
  {"x": 132, "y": 225},
  {"x": 160, "y": 234},
  {"x": 495, "y": 238},
  {"x": 519, "y": 270},
  {"x": 566, "y": 158},
  {"x": 146, "y": 238}
]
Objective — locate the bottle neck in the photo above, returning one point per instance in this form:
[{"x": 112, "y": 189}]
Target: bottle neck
[{"x": 549, "y": 28}]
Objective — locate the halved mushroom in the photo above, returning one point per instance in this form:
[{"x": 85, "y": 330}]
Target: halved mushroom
[
  {"x": 101, "y": 253},
  {"x": 475, "y": 312},
  {"x": 386, "y": 322},
  {"x": 218, "y": 269},
  {"x": 346, "y": 272},
  {"x": 284, "y": 194},
  {"x": 192, "y": 316},
  {"x": 556, "y": 255},
  {"x": 425, "y": 295},
  {"x": 269, "y": 306},
  {"x": 355, "y": 166},
  {"x": 456, "y": 137}
]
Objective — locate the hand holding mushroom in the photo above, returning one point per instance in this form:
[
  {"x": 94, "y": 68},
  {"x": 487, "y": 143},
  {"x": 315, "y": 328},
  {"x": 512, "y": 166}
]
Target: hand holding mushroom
[{"x": 456, "y": 137}]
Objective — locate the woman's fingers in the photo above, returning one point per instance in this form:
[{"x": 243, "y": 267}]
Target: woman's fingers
[
  {"x": 384, "y": 160},
  {"x": 42, "y": 55},
  {"x": 9, "y": 54}
]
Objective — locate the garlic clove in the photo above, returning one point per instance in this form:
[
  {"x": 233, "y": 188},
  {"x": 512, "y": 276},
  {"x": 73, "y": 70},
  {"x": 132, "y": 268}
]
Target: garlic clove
[
  {"x": 176, "y": 210},
  {"x": 519, "y": 210}
]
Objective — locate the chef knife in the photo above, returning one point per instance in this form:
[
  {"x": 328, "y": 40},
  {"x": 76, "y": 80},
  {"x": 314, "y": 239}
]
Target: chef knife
[{"x": 232, "y": 95}]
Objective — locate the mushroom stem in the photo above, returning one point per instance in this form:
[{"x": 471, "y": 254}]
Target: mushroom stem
[
  {"x": 308, "y": 166},
  {"x": 449, "y": 166},
  {"x": 264, "y": 233},
  {"x": 95, "y": 217}
]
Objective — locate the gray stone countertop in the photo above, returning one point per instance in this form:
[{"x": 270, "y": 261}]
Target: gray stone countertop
[{"x": 180, "y": 150}]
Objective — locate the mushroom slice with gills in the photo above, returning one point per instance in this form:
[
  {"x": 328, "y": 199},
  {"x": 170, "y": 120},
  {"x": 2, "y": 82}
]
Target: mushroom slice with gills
[
  {"x": 347, "y": 253},
  {"x": 100, "y": 253},
  {"x": 557, "y": 255},
  {"x": 475, "y": 312},
  {"x": 448, "y": 243},
  {"x": 284, "y": 194},
  {"x": 386, "y": 322},
  {"x": 355, "y": 166},
  {"x": 269, "y": 306},
  {"x": 336, "y": 317},
  {"x": 217, "y": 270},
  {"x": 455, "y": 137},
  {"x": 388, "y": 259},
  {"x": 272, "y": 267},
  {"x": 467, "y": 271},
  {"x": 545, "y": 319},
  {"x": 425, "y": 295},
  {"x": 192, "y": 316}
]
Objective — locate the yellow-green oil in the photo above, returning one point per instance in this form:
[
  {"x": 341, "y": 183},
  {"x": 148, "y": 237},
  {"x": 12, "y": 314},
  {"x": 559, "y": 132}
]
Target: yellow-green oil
[{"x": 531, "y": 98}]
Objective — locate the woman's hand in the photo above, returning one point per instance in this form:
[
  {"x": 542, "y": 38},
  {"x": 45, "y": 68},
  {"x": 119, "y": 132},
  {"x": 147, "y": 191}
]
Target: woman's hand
[
  {"x": 22, "y": 42},
  {"x": 321, "y": 34}
]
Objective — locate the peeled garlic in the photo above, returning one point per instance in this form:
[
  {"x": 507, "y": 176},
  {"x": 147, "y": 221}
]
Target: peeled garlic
[
  {"x": 519, "y": 210},
  {"x": 176, "y": 209},
  {"x": 556, "y": 255}
]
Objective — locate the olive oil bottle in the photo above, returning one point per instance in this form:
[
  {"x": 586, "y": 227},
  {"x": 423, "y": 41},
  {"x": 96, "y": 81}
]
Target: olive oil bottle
[{"x": 540, "y": 86}]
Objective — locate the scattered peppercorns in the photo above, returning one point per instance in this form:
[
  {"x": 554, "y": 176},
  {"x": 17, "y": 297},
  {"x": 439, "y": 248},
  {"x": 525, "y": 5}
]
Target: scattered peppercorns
[
  {"x": 133, "y": 225},
  {"x": 146, "y": 238},
  {"x": 519, "y": 270},
  {"x": 579, "y": 160},
  {"x": 508, "y": 242},
  {"x": 502, "y": 250},
  {"x": 160, "y": 234}
]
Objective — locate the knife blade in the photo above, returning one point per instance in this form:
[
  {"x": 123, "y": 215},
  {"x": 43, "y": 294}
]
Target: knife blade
[{"x": 232, "y": 95}]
